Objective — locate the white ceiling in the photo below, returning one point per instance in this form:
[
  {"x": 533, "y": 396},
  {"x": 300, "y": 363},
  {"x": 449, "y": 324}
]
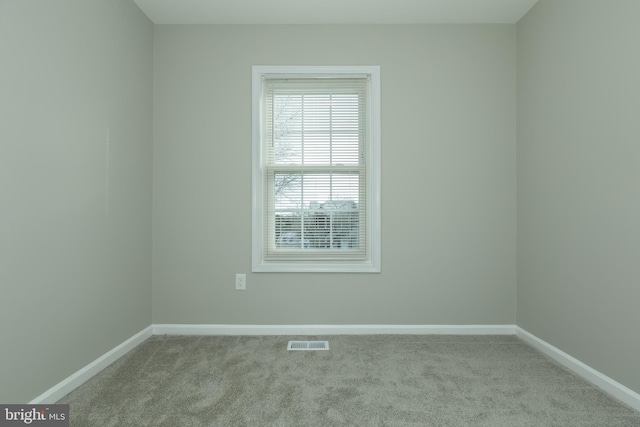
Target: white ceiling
[{"x": 334, "y": 11}]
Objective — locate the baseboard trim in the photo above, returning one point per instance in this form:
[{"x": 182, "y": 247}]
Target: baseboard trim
[
  {"x": 72, "y": 382},
  {"x": 608, "y": 385},
  {"x": 169, "y": 329}
]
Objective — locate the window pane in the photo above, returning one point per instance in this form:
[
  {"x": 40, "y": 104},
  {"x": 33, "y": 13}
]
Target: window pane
[
  {"x": 289, "y": 230},
  {"x": 317, "y": 210},
  {"x": 287, "y": 126},
  {"x": 317, "y": 129},
  {"x": 288, "y": 191}
]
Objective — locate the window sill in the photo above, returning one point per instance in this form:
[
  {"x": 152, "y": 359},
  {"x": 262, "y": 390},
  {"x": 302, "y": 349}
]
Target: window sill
[{"x": 317, "y": 267}]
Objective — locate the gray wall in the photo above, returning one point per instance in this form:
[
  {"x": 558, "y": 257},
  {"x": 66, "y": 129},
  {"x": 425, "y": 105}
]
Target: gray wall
[
  {"x": 579, "y": 181},
  {"x": 448, "y": 190},
  {"x": 75, "y": 277}
]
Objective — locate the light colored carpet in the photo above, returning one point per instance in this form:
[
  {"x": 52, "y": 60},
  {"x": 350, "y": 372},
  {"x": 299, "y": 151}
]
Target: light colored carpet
[{"x": 379, "y": 380}]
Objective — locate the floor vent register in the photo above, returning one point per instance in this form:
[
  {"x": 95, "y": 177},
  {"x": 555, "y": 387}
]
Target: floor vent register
[{"x": 308, "y": 345}]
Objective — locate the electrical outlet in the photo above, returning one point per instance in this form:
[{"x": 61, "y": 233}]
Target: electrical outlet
[{"x": 241, "y": 282}]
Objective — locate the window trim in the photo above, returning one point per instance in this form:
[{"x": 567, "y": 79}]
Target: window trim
[{"x": 373, "y": 158}]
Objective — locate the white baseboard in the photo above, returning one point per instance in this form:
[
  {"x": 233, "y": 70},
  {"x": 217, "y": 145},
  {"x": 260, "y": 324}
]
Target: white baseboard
[
  {"x": 597, "y": 378},
  {"x": 168, "y": 329},
  {"x": 600, "y": 380},
  {"x": 72, "y": 382}
]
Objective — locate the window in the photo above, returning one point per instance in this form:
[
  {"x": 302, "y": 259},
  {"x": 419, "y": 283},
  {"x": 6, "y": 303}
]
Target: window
[{"x": 316, "y": 169}]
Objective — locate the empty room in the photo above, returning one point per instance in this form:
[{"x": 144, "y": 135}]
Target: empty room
[{"x": 436, "y": 201}]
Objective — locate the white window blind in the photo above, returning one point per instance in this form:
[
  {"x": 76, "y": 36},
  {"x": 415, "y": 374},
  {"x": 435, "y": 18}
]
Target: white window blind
[
  {"x": 314, "y": 168},
  {"x": 315, "y": 174}
]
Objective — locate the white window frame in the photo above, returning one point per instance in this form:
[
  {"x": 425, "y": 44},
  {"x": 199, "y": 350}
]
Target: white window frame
[{"x": 373, "y": 163}]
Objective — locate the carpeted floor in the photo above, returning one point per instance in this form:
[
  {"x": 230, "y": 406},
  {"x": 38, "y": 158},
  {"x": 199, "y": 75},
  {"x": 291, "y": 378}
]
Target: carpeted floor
[{"x": 377, "y": 380}]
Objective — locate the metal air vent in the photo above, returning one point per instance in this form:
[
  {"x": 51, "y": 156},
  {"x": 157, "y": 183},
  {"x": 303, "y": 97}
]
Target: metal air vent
[{"x": 308, "y": 345}]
